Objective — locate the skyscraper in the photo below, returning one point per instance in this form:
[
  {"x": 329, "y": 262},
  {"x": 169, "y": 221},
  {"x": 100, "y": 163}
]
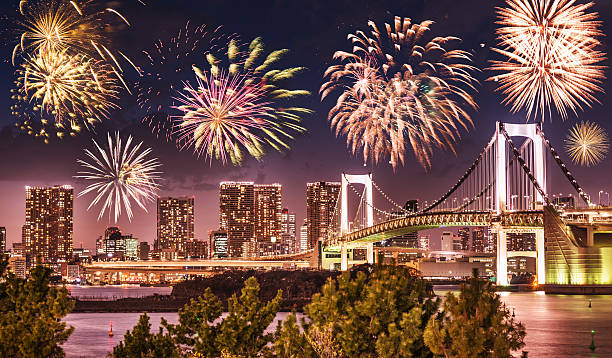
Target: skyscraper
[
  {"x": 289, "y": 231},
  {"x": 218, "y": 243},
  {"x": 304, "y": 236},
  {"x": 321, "y": 200},
  {"x": 47, "y": 233},
  {"x": 237, "y": 215},
  {"x": 174, "y": 224},
  {"x": 478, "y": 239},
  {"x": 268, "y": 212},
  {"x": 464, "y": 236},
  {"x": 2, "y": 239}
]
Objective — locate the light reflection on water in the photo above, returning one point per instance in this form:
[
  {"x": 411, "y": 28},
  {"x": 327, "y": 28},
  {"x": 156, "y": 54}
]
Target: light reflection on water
[{"x": 557, "y": 326}]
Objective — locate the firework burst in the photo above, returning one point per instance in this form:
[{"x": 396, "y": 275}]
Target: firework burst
[
  {"x": 239, "y": 104},
  {"x": 167, "y": 63},
  {"x": 399, "y": 90},
  {"x": 552, "y": 56},
  {"x": 73, "y": 91},
  {"x": 587, "y": 144},
  {"x": 120, "y": 174},
  {"x": 72, "y": 27}
]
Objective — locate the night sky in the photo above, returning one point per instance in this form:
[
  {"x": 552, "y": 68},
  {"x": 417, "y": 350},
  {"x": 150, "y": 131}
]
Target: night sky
[{"x": 312, "y": 30}]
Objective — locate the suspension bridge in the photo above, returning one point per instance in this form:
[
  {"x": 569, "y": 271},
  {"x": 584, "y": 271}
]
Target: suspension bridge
[{"x": 505, "y": 189}]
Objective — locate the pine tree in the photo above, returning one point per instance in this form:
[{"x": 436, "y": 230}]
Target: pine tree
[
  {"x": 31, "y": 313},
  {"x": 289, "y": 342},
  {"x": 474, "y": 324},
  {"x": 141, "y": 343},
  {"x": 378, "y": 315}
]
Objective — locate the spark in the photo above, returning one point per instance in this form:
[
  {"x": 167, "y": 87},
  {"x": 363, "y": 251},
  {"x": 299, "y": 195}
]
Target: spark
[
  {"x": 400, "y": 89},
  {"x": 552, "y": 56},
  {"x": 120, "y": 174},
  {"x": 587, "y": 144}
]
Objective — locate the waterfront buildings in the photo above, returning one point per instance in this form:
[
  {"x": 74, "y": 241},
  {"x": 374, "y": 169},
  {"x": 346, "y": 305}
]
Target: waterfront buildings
[
  {"x": 236, "y": 215},
  {"x": 2, "y": 239},
  {"x": 267, "y": 218},
  {"x": 478, "y": 239},
  {"x": 288, "y": 231},
  {"x": 464, "y": 236},
  {"x": 321, "y": 200},
  {"x": 304, "y": 236},
  {"x": 196, "y": 249},
  {"x": 218, "y": 244},
  {"x": 175, "y": 217},
  {"x": 446, "y": 243},
  {"x": 144, "y": 250},
  {"x": 424, "y": 242},
  {"x": 521, "y": 242},
  {"x": 47, "y": 233}
]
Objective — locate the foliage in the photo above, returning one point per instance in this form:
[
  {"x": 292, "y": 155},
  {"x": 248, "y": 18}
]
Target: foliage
[
  {"x": 203, "y": 331},
  {"x": 141, "y": 343},
  {"x": 31, "y": 313},
  {"x": 378, "y": 315},
  {"x": 474, "y": 324}
]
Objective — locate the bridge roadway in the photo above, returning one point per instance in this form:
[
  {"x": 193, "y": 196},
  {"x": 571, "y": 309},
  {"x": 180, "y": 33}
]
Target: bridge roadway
[
  {"x": 188, "y": 266},
  {"x": 403, "y": 225}
]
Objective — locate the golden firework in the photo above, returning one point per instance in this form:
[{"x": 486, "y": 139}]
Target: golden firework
[
  {"x": 400, "y": 89},
  {"x": 587, "y": 144},
  {"x": 553, "y": 56},
  {"x": 70, "y": 90}
]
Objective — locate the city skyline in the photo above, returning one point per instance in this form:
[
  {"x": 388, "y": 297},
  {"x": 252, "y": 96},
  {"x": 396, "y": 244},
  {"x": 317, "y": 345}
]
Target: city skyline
[{"x": 315, "y": 156}]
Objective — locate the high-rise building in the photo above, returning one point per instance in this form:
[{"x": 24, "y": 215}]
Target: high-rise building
[
  {"x": 521, "y": 242},
  {"x": 304, "y": 236},
  {"x": 464, "y": 236},
  {"x": 114, "y": 245},
  {"x": 424, "y": 242},
  {"x": 478, "y": 239},
  {"x": 47, "y": 233},
  {"x": 321, "y": 200},
  {"x": 2, "y": 239},
  {"x": 268, "y": 212},
  {"x": 412, "y": 206},
  {"x": 447, "y": 241},
  {"x": 143, "y": 250},
  {"x": 218, "y": 243},
  {"x": 131, "y": 247},
  {"x": 196, "y": 249},
  {"x": 174, "y": 224},
  {"x": 237, "y": 215},
  {"x": 288, "y": 228}
]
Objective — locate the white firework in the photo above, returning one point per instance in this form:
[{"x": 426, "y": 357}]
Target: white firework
[{"x": 120, "y": 174}]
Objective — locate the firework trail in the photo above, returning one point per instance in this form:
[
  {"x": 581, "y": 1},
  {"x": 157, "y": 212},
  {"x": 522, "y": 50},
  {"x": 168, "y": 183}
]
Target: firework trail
[
  {"x": 552, "y": 56},
  {"x": 400, "y": 88},
  {"x": 587, "y": 144},
  {"x": 167, "y": 65},
  {"x": 120, "y": 174},
  {"x": 240, "y": 104}
]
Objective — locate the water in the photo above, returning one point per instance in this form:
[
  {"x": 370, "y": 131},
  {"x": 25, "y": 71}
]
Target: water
[
  {"x": 114, "y": 292},
  {"x": 557, "y": 326}
]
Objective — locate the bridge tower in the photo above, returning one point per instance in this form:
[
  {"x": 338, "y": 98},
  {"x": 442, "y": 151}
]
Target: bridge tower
[
  {"x": 366, "y": 180},
  {"x": 532, "y": 132}
]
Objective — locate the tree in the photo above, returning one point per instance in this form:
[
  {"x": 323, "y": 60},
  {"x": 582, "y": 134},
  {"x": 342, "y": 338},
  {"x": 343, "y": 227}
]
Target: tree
[
  {"x": 141, "y": 343},
  {"x": 382, "y": 314},
  {"x": 289, "y": 340},
  {"x": 31, "y": 313},
  {"x": 474, "y": 324}
]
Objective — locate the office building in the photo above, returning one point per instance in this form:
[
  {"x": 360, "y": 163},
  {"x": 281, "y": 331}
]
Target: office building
[
  {"x": 521, "y": 241},
  {"x": 175, "y": 217},
  {"x": 113, "y": 243},
  {"x": 321, "y": 201},
  {"x": 131, "y": 247},
  {"x": 478, "y": 239},
  {"x": 464, "y": 236},
  {"x": 196, "y": 249},
  {"x": 447, "y": 241},
  {"x": 218, "y": 244},
  {"x": 18, "y": 265},
  {"x": 2, "y": 239},
  {"x": 424, "y": 242},
  {"x": 304, "y": 236},
  {"x": 47, "y": 233},
  {"x": 289, "y": 233},
  {"x": 411, "y": 206},
  {"x": 144, "y": 250}
]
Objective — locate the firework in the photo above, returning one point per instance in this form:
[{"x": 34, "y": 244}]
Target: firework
[
  {"x": 552, "y": 56},
  {"x": 587, "y": 144},
  {"x": 167, "y": 63},
  {"x": 72, "y": 27},
  {"x": 120, "y": 174},
  {"x": 399, "y": 90},
  {"x": 239, "y": 104},
  {"x": 73, "y": 91}
]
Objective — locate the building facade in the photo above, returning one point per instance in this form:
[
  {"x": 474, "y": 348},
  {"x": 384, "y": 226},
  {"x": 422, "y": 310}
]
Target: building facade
[
  {"x": 464, "y": 236},
  {"x": 237, "y": 215},
  {"x": 2, "y": 239},
  {"x": 175, "y": 224},
  {"x": 218, "y": 244},
  {"x": 47, "y": 233},
  {"x": 478, "y": 239},
  {"x": 321, "y": 201},
  {"x": 268, "y": 209},
  {"x": 289, "y": 233}
]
